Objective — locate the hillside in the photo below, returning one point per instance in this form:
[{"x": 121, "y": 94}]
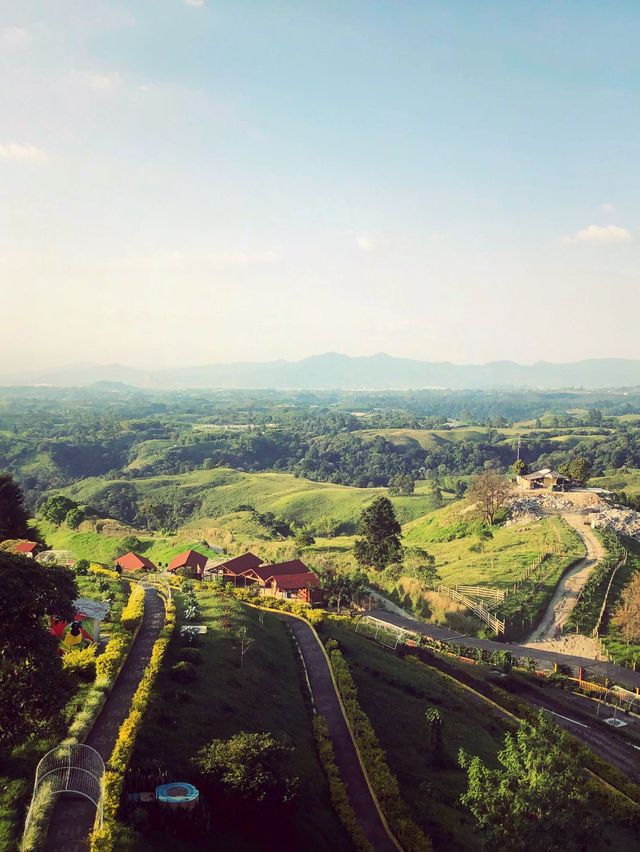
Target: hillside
[{"x": 213, "y": 493}]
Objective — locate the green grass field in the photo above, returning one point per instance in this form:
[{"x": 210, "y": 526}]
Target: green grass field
[
  {"x": 395, "y": 696},
  {"x": 449, "y": 535},
  {"x": 268, "y": 694},
  {"x": 624, "y": 479},
  {"x": 295, "y": 499}
]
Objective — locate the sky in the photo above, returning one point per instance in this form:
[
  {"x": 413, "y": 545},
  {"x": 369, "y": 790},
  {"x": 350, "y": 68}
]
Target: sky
[{"x": 199, "y": 181}]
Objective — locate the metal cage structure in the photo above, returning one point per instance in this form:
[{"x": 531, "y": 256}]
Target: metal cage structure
[{"x": 75, "y": 769}]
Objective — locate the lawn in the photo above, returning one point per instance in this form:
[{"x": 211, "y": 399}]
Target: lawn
[
  {"x": 463, "y": 558},
  {"x": 268, "y": 694},
  {"x": 395, "y": 694}
]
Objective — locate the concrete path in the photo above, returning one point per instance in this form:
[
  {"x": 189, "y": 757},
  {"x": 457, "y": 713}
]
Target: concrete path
[
  {"x": 566, "y": 594},
  {"x": 73, "y": 817},
  {"x": 346, "y": 757},
  {"x": 617, "y": 674}
]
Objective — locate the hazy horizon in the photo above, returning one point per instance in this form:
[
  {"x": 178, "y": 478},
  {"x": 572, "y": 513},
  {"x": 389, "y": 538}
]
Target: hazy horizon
[{"x": 190, "y": 183}]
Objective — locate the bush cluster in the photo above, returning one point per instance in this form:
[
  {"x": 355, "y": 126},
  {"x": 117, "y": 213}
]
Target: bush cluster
[
  {"x": 134, "y": 610},
  {"x": 102, "y": 839},
  {"x": 109, "y": 662},
  {"x": 82, "y": 662},
  {"x": 383, "y": 781},
  {"x": 313, "y": 616},
  {"x": 337, "y": 789}
]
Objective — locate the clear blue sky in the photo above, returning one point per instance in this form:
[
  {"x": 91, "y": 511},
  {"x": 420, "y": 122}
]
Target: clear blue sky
[{"x": 186, "y": 182}]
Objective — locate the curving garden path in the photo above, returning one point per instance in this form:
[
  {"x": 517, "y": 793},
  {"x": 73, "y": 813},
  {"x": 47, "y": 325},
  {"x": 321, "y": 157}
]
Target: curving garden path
[
  {"x": 73, "y": 816},
  {"x": 346, "y": 756}
]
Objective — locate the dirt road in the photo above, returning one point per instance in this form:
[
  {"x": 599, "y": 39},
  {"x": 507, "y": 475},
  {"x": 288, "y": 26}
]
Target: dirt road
[{"x": 565, "y": 598}]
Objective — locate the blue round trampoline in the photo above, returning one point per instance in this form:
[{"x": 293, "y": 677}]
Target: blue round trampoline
[{"x": 177, "y": 794}]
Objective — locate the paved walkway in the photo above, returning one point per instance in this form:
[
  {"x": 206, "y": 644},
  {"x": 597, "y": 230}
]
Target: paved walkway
[
  {"x": 346, "y": 757},
  {"x": 618, "y": 674},
  {"x": 73, "y": 817}
]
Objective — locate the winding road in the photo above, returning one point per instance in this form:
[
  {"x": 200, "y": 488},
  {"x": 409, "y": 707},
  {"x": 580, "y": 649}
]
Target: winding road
[{"x": 567, "y": 591}]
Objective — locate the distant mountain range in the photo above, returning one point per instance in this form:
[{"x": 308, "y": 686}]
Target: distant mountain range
[{"x": 333, "y": 371}]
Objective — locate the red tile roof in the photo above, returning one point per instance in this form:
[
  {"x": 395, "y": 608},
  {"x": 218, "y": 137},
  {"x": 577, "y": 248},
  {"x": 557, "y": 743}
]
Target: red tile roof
[
  {"x": 296, "y": 566},
  {"x": 287, "y": 582},
  {"x": 25, "y": 547},
  {"x": 240, "y": 563},
  {"x": 188, "y": 559},
  {"x": 132, "y": 562}
]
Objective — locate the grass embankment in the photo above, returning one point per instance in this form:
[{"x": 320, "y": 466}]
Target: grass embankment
[
  {"x": 268, "y": 694},
  {"x": 464, "y": 557},
  {"x": 619, "y": 649},
  {"x": 624, "y": 479},
  {"x": 395, "y": 695}
]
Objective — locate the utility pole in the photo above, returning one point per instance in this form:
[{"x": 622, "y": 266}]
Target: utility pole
[{"x": 519, "y": 443}]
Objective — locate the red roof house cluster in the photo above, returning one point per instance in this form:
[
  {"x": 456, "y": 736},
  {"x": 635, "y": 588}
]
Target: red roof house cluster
[{"x": 287, "y": 579}]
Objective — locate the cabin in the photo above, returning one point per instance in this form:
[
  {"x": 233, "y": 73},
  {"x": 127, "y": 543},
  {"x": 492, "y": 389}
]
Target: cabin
[
  {"x": 84, "y": 629},
  {"x": 261, "y": 573},
  {"x": 234, "y": 568},
  {"x": 303, "y": 587},
  {"x": 134, "y": 562},
  {"x": 189, "y": 559},
  {"x": 26, "y": 548},
  {"x": 545, "y": 478}
]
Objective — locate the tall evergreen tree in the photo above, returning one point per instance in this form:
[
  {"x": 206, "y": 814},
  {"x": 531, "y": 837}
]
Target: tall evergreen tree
[
  {"x": 13, "y": 517},
  {"x": 380, "y": 543}
]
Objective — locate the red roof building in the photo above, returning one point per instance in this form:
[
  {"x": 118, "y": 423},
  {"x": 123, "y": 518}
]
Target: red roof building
[
  {"x": 304, "y": 586},
  {"x": 28, "y": 548},
  {"x": 233, "y": 568},
  {"x": 189, "y": 559},
  {"x": 133, "y": 562},
  {"x": 262, "y": 573}
]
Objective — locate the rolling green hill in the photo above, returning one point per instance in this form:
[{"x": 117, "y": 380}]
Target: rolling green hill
[{"x": 221, "y": 490}]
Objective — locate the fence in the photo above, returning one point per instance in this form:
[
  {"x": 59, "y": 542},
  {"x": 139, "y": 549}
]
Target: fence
[
  {"x": 475, "y": 607},
  {"x": 485, "y": 592},
  {"x": 535, "y": 565}
]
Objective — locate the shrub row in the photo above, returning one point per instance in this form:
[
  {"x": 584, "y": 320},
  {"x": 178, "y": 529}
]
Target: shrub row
[
  {"x": 100, "y": 569},
  {"x": 134, "y": 610},
  {"x": 108, "y": 663},
  {"x": 102, "y": 839},
  {"x": 585, "y": 613},
  {"x": 337, "y": 789},
  {"x": 313, "y": 616},
  {"x": 410, "y": 835}
]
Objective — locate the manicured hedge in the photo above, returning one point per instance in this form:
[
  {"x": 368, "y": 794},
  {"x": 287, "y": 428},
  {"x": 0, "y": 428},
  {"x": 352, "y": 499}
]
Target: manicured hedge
[
  {"x": 337, "y": 789},
  {"x": 383, "y": 781},
  {"x": 134, "y": 610},
  {"x": 313, "y": 616}
]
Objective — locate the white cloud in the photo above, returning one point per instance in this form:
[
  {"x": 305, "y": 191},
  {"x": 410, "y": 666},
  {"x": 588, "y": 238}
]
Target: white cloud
[
  {"x": 600, "y": 234},
  {"x": 102, "y": 82},
  {"x": 16, "y": 37},
  {"x": 15, "y": 151},
  {"x": 197, "y": 3},
  {"x": 365, "y": 243}
]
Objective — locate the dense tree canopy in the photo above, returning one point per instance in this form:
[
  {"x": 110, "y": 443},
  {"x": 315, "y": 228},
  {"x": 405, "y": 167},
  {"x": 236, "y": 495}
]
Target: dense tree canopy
[
  {"x": 13, "y": 516},
  {"x": 32, "y": 686},
  {"x": 537, "y": 798}
]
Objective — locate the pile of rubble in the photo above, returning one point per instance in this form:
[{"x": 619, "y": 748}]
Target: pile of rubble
[{"x": 619, "y": 519}]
